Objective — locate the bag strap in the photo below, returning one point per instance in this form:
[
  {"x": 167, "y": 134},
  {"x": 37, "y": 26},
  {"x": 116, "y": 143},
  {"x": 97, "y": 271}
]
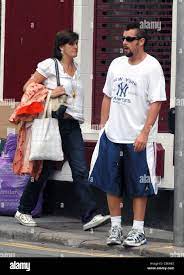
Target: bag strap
[
  {"x": 46, "y": 104},
  {"x": 57, "y": 72}
]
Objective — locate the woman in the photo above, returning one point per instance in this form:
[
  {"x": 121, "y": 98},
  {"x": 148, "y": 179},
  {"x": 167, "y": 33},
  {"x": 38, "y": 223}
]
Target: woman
[{"x": 65, "y": 50}]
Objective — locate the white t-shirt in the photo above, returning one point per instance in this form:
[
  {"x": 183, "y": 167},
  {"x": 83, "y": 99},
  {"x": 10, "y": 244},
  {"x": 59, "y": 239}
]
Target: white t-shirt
[
  {"x": 75, "y": 105},
  {"x": 132, "y": 88}
]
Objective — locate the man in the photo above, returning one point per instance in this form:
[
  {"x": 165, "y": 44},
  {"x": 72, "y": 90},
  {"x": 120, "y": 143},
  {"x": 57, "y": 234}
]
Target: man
[{"x": 133, "y": 93}]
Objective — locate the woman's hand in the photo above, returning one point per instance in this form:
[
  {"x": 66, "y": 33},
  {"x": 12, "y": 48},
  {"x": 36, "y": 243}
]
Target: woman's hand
[{"x": 60, "y": 90}]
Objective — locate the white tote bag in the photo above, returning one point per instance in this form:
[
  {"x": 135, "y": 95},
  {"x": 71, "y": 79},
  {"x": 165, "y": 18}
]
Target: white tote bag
[{"x": 46, "y": 140}]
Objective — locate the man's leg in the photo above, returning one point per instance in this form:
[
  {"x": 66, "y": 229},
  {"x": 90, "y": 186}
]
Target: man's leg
[
  {"x": 107, "y": 175},
  {"x": 139, "y": 208},
  {"x": 139, "y": 186},
  {"x": 136, "y": 236},
  {"x": 115, "y": 205}
]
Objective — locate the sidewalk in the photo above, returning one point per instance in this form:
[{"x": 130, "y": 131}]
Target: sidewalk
[{"x": 68, "y": 231}]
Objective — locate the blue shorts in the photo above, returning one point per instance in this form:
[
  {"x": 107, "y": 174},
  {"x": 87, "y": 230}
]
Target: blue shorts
[{"x": 117, "y": 169}]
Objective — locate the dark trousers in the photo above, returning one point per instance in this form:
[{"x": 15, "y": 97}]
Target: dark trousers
[{"x": 73, "y": 148}]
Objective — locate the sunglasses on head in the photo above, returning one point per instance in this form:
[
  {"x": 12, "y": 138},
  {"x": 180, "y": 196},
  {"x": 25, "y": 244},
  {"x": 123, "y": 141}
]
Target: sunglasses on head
[{"x": 130, "y": 38}]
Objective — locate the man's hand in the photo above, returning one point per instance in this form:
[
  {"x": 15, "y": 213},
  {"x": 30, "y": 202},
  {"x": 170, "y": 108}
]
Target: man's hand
[
  {"x": 101, "y": 126},
  {"x": 140, "y": 142},
  {"x": 60, "y": 90},
  {"x": 105, "y": 111}
]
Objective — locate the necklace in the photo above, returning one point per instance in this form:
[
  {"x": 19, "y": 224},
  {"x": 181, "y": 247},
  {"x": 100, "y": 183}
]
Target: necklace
[
  {"x": 67, "y": 71},
  {"x": 74, "y": 92},
  {"x": 74, "y": 87}
]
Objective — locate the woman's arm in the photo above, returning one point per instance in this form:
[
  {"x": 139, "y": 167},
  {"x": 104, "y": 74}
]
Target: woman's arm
[{"x": 38, "y": 78}]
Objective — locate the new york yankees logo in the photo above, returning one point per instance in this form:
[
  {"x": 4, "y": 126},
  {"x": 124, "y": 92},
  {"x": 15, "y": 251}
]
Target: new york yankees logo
[{"x": 122, "y": 89}]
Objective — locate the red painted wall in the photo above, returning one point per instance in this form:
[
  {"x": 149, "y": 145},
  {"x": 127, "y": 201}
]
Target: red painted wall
[{"x": 30, "y": 28}]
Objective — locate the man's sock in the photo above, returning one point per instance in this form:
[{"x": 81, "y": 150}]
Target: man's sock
[
  {"x": 139, "y": 225},
  {"x": 116, "y": 221}
]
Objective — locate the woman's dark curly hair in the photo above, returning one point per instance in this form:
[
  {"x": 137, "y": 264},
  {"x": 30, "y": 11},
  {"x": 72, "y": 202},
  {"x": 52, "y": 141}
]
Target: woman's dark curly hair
[{"x": 62, "y": 38}]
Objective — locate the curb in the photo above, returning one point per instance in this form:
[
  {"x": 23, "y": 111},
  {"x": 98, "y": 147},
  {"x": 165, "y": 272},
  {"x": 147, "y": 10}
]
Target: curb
[{"x": 80, "y": 241}]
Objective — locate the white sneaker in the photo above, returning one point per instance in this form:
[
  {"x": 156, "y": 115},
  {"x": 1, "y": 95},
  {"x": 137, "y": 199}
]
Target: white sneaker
[
  {"x": 135, "y": 238},
  {"x": 96, "y": 221},
  {"x": 25, "y": 219},
  {"x": 115, "y": 235}
]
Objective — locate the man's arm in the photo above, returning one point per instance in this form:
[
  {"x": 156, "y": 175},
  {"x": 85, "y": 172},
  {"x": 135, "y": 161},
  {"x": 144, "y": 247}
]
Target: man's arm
[
  {"x": 142, "y": 138},
  {"x": 106, "y": 102}
]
